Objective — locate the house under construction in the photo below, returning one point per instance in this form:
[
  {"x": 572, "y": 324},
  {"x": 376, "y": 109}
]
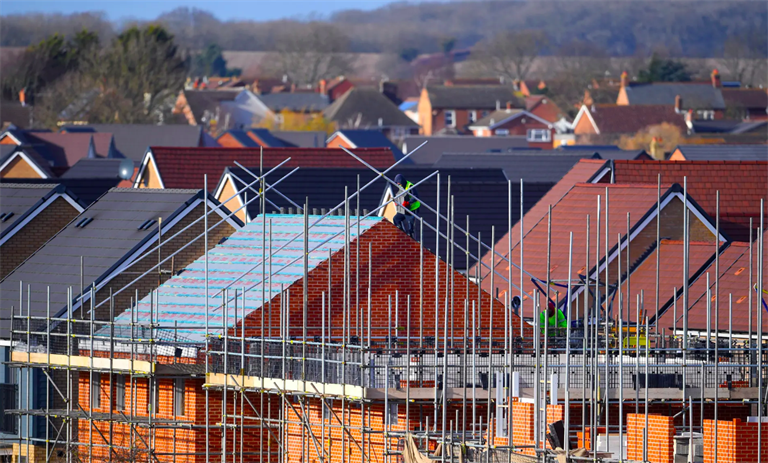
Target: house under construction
[{"x": 338, "y": 338}]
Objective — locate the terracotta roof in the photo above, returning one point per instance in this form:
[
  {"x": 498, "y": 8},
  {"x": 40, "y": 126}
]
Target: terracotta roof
[
  {"x": 756, "y": 98},
  {"x": 630, "y": 119},
  {"x": 643, "y": 277},
  {"x": 583, "y": 171},
  {"x": 185, "y": 167},
  {"x": 543, "y": 107},
  {"x": 734, "y": 281},
  {"x": 570, "y": 215},
  {"x": 741, "y": 185}
]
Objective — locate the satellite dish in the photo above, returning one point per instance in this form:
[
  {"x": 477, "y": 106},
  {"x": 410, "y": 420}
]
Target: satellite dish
[{"x": 126, "y": 169}]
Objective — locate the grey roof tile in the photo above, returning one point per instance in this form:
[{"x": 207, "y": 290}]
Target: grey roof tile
[
  {"x": 367, "y": 107},
  {"x": 694, "y": 95},
  {"x": 724, "y": 152}
]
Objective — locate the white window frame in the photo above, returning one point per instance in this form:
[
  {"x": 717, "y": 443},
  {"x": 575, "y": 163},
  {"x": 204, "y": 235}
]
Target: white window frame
[
  {"x": 452, "y": 113},
  {"x": 539, "y": 135},
  {"x": 501, "y": 132},
  {"x": 472, "y": 116}
]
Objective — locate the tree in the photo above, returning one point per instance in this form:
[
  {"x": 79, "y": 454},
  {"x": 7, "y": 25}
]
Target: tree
[
  {"x": 409, "y": 54},
  {"x": 667, "y": 137},
  {"x": 742, "y": 57},
  {"x": 211, "y": 62},
  {"x": 664, "y": 70},
  {"x": 318, "y": 52},
  {"x": 510, "y": 54},
  {"x": 299, "y": 121},
  {"x": 447, "y": 45}
]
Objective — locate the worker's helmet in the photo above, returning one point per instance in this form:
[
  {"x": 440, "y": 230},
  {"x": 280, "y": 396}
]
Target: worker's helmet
[{"x": 400, "y": 180}]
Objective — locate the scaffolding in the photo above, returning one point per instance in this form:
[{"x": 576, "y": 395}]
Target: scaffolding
[{"x": 282, "y": 390}]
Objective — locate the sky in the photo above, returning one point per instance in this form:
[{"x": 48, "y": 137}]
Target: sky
[{"x": 258, "y": 10}]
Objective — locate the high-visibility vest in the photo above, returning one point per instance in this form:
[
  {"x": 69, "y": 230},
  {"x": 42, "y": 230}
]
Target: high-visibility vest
[{"x": 413, "y": 203}]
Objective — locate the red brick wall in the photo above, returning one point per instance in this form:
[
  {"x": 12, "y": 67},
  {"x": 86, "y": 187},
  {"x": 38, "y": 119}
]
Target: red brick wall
[
  {"x": 736, "y": 442},
  {"x": 523, "y": 426},
  {"x": 395, "y": 266},
  {"x": 661, "y": 430}
]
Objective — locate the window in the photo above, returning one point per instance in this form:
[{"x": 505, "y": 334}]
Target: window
[
  {"x": 178, "y": 397},
  {"x": 8, "y": 398},
  {"x": 327, "y": 406},
  {"x": 705, "y": 114},
  {"x": 450, "y": 118},
  {"x": 119, "y": 392},
  {"x": 539, "y": 135},
  {"x": 501, "y": 132},
  {"x": 472, "y": 116},
  {"x": 95, "y": 391},
  {"x": 393, "y": 414}
]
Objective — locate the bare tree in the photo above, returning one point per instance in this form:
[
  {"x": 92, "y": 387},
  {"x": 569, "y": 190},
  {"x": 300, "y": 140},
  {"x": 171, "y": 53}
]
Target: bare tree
[
  {"x": 317, "y": 52},
  {"x": 510, "y": 54},
  {"x": 742, "y": 57}
]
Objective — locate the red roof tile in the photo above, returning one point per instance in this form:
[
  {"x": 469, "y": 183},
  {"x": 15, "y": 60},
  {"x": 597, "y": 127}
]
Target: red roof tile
[
  {"x": 185, "y": 167},
  {"x": 570, "y": 215},
  {"x": 581, "y": 172},
  {"x": 755, "y": 98},
  {"x": 643, "y": 278},
  {"x": 632, "y": 118},
  {"x": 734, "y": 281},
  {"x": 741, "y": 185}
]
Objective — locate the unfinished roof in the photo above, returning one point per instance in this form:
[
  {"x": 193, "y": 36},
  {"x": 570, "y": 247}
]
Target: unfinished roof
[
  {"x": 185, "y": 167},
  {"x": 734, "y": 282},
  {"x": 724, "y": 152},
  {"x": 366, "y": 107},
  {"x": 132, "y": 140},
  {"x": 104, "y": 242},
  {"x": 438, "y": 145},
  {"x": 694, "y": 95},
  {"x": 472, "y": 97},
  {"x": 240, "y": 262},
  {"x": 741, "y": 186}
]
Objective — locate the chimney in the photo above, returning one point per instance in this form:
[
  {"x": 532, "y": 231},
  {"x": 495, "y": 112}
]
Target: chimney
[
  {"x": 715, "y": 78},
  {"x": 689, "y": 116},
  {"x": 509, "y": 105},
  {"x": 678, "y": 104},
  {"x": 448, "y": 83},
  {"x": 293, "y": 88},
  {"x": 624, "y": 79},
  {"x": 23, "y": 97},
  {"x": 323, "y": 86}
]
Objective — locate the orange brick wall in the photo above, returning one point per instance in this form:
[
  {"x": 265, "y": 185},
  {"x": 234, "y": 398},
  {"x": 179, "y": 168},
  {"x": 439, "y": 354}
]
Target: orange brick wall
[
  {"x": 736, "y": 442},
  {"x": 661, "y": 430},
  {"x": 523, "y": 426}
]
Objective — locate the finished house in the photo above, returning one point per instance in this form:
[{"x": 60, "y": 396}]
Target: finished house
[{"x": 448, "y": 109}]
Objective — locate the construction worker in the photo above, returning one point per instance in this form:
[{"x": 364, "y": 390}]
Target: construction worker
[
  {"x": 406, "y": 216},
  {"x": 554, "y": 319}
]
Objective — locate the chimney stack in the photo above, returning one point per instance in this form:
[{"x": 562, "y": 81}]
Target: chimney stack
[
  {"x": 678, "y": 104},
  {"x": 624, "y": 79},
  {"x": 715, "y": 78},
  {"x": 323, "y": 86},
  {"x": 509, "y": 105}
]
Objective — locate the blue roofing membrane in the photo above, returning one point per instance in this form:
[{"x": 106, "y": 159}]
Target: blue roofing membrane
[{"x": 237, "y": 263}]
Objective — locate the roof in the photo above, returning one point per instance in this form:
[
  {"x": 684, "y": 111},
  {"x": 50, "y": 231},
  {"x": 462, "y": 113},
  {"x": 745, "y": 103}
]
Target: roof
[
  {"x": 366, "y": 107},
  {"x": 733, "y": 282},
  {"x": 501, "y": 116},
  {"x": 632, "y": 118},
  {"x": 94, "y": 168},
  {"x": 694, "y": 95},
  {"x": 735, "y": 126},
  {"x": 65, "y": 149},
  {"x": 749, "y": 98},
  {"x": 18, "y": 198},
  {"x": 481, "y": 194},
  {"x": 584, "y": 171},
  {"x": 472, "y": 97},
  {"x": 724, "y": 152},
  {"x": 438, "y": 145},
  {"x": 323, "y": 186},
  {"x": 368, "y": 139},
  {"x": 741, "y": 186},
  {"x": 569, "y": 215},
  {"x": 267, "y": 138},
  {"x": 182, "y": 298},
  {"x": 543, "y": 107},
  {"x": 13, "y": 112},
  {"x": 298, "y": 102},
  {"x": 132, "y": 140},
  {"x": 529, "y": 167},
  {"x": 107, "y": 240},
  {"x": 185, "y": 167},
  {"x": 207, "y": 101},
  {"x": 301, "y": 139},
  {"x": 87, "y": 190},
  {"x": 643, "y": 277},
  {"x": 242, "y": 137},
  {"x": 30, "y": 153}
]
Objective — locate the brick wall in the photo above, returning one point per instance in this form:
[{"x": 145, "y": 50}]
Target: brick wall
[
  {"x": 523, "y": 425},
  {"x": 660, "y": 433},
  {"x": 34, "y": 234},
  {"x": 395, "y": 267},
  {"x": 736, "y": 442}
]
